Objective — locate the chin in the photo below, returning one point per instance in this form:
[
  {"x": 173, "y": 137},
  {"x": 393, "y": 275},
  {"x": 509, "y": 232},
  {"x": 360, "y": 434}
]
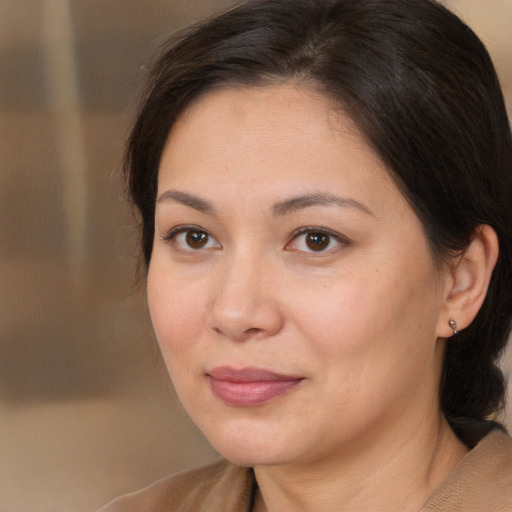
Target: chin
[
  {"x": 243, "y": 436},
  {"x": 249, "y": 456},
  {"x": 247, "y": 445}
]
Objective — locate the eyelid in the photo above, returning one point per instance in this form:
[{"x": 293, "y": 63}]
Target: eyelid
[
  {"x": 342, "y": 240},
  {"x": 178, "y": 230}
]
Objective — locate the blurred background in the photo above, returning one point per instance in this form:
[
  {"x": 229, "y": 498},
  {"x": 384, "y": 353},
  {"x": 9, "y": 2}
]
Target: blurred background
[{"x": 86, "y": 410}]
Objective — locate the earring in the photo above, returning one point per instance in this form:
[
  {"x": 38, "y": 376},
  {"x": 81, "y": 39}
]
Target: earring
[{"x": 453, "y": 325}]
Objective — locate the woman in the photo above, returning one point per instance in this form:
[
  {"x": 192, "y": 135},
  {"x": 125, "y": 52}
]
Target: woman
[{"x": 324, "y": 188}]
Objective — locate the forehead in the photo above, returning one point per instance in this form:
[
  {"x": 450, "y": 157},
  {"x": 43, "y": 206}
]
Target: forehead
[
  {"x": 277, "y": 137},
  {"x": 241, "y": 99},
  {"x": 299, "y": 109}
]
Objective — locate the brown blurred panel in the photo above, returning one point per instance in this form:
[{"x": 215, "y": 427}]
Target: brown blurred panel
[{"x": 87, "y": 411}]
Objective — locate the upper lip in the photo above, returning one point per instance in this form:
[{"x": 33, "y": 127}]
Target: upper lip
[{"x": 249, "y": 374}]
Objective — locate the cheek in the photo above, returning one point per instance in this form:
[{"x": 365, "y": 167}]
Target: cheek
[
  {"x": 368, "y": 316},
  {"x": 339, "y": 311},
  {"x": 177, "y": 309}
]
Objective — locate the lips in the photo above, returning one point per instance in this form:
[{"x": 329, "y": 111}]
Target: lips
[{"x": 249, "y": 387}]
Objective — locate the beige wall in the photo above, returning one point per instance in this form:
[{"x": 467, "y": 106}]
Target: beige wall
[{"x": 86, "y": 411}]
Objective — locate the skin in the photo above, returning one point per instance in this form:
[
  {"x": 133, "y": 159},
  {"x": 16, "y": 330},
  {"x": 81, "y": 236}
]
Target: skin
[{"x": 362, "y": 321}]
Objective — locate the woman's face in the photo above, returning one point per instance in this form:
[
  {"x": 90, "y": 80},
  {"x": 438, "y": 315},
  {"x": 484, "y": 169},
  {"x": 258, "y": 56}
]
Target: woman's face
[{"x": 291, "y": 287}]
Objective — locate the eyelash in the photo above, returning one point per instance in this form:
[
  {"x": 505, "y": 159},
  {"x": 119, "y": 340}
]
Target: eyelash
[
  {"x": 180, "y": 230},
  {"x": 313, "y": 230}
]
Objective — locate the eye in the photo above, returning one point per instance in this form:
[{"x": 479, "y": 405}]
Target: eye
[
  {"x": 190, "y": 238},
  {"x": 315, "y": 240}
]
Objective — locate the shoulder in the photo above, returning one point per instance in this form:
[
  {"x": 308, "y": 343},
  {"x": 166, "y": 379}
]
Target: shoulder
[
  {"x": 481, "y": 481},
  {"x": 220, "y": 486}
]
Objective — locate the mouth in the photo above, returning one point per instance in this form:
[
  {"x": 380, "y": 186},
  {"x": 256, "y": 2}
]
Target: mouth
[{"x": 249, "y": 387}]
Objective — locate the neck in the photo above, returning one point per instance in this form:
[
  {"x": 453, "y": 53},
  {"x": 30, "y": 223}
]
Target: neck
[{"x": 388, "y": 473}]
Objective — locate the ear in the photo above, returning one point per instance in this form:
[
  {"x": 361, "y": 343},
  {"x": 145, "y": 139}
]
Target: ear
[{"x": 468, "y": 281}]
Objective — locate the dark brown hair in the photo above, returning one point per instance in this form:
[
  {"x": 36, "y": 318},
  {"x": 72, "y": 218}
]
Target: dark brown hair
[{"x": 419, "y": 85}]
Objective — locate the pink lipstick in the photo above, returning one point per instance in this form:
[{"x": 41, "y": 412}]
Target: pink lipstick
[{"x": 249, "y": 386}]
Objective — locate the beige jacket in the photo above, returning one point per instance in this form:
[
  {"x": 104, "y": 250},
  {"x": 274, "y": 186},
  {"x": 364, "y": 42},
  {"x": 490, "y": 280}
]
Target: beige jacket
[{"x": 481, "y": 482}]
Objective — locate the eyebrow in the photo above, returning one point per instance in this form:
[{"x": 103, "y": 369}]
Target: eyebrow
[
  {"x": 195, "y": 202},
  {"x": 317, "y": 199},
  {"x": 278, "y": 209}
]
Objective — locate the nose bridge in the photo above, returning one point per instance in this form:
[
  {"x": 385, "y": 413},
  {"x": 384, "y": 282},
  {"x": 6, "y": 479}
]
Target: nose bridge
[{"x": 244, "y": 301}]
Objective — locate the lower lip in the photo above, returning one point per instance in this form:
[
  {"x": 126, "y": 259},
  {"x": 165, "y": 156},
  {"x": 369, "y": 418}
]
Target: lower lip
[{"x": 250, "y": 394}]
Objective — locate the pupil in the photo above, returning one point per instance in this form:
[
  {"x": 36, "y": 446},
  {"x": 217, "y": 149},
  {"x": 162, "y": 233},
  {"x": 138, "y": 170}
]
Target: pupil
[
  {"x": 317, "y": 241},
  {"x": 196, "y": 239}
]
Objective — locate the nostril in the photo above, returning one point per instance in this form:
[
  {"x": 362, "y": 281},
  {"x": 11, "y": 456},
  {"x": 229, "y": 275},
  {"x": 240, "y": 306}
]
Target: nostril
[
  {"x": 241, "y": 335},
  {"x": 251, "y": 331}
]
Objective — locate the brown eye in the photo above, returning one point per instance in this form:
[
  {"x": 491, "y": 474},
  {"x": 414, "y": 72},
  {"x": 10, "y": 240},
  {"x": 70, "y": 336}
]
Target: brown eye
[
  {"x": 317, "y": 241},
  {"x": 196, "y": 239},
  {"x": 191, "y": 239}
]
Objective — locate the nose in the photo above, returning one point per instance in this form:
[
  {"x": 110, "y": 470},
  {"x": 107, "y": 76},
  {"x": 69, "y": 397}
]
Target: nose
[{"x": 245, "y": 301}]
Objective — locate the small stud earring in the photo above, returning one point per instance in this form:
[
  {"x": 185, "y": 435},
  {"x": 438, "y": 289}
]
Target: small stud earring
[{"x": 453, "y": 325}]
